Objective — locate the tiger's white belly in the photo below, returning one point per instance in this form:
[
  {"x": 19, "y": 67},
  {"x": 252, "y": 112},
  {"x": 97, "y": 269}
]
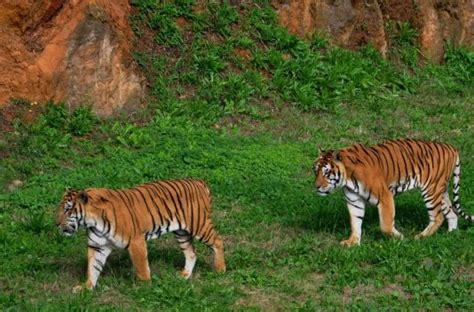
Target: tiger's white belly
[
  {"x": 395, "y": 188},
  {"x": 100, "y": 235},
  {"x": 163, "y": 229},
  {"x": 403, "y": 186}
]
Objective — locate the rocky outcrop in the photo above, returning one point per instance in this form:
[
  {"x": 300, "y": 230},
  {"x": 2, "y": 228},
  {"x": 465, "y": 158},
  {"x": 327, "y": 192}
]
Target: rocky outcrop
[
  {"x": 76, "y": 51},
  {"x": 352, "y": 23}
]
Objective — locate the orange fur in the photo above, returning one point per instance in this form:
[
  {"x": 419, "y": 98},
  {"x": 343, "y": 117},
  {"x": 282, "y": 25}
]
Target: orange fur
[
  {"x": 375, "y": 174},
  {"x": 127, "y": 218}
]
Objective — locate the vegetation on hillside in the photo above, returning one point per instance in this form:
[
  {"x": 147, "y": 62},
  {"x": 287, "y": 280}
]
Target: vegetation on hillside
[{"x": 239, "y": 102}]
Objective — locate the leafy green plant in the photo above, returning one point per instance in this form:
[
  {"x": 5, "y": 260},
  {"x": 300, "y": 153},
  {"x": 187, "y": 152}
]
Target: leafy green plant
[
  {"x": 221, "y": 17},
  {"x": 404, "y": 39},
  {"x": 81, "y": 121},
  {"x": 20, "y": 102},
  {"x": 36, "y": 222},
  {"x": 55, "y": 115},
  {"x": 319, "y": 41},
  {"x": 130, "y": 135},
  {"x": 460, "y": 63}
]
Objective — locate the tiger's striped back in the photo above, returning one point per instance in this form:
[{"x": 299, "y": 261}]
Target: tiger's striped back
[{"x": 404, "y": 164}]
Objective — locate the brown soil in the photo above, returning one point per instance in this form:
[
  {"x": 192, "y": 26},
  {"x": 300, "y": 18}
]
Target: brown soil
[{"x": 74, "y": 51}]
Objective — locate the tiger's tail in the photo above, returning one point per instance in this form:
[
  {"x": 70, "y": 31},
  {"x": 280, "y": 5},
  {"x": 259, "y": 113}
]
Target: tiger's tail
[{"x": 456, "y": 204}]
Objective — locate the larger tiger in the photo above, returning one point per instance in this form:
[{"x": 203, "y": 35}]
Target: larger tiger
[
  {"x": 375, "y": 174},
  {"x": 127, "y": 218}
]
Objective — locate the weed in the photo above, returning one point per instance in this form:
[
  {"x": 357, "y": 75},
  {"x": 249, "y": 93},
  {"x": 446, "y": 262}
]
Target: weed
[
  {"x": 404, "y": 40},
  {"x": 20, "y": 102},
  {"x": 36, "y": 222},
  {"x": 221, "y": 17},
  {"x": 81, "y": 121}
]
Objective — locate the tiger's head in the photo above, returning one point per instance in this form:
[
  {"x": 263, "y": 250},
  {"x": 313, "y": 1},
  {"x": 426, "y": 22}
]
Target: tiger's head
[
  {"x": 328, "y": 171},
  {"x": 71, "y": 213}
]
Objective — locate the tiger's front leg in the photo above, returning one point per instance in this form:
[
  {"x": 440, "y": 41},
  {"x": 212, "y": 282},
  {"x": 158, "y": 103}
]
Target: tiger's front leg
[
  {"x": 96, "y": 258},
  {"x": 356, "y": 207}
]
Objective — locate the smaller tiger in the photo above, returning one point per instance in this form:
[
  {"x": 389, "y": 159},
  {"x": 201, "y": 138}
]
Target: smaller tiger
[
  {"x": 375, "y": 174},
  {"x": 127, "y": 218}
]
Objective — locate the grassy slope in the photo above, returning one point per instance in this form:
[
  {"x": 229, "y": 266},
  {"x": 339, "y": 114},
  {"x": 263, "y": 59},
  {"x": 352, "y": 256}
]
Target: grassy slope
[{"x": 249, "y": 126}]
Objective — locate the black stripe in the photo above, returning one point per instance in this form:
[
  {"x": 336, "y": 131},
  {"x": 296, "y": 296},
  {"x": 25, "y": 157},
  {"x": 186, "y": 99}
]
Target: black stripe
[
  {"x": 205, "y": 237},
  {"x": 125, "y": 199},
  {"x": 157, "y": 188},
  {"x": 147, "y": 208},
  {"x": 114, "y": 212},
  {"x": 152, "y": 194},
  {"x": 97, "y": 268},
  {"x": 190, "y": 208},
  {"x": 404, "y": 152},
  {"x": 357, "y": 207},
  {"x": 97, "y": 249},
  {"x": 175, "y": 197},
  {"x": 179, "y": 192},
  {"x": 392, "y": 161}
]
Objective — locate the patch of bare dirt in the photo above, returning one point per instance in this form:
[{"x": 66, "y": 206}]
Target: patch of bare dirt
[
  {"x": 243, "y": 53},
  {"x": 366, "y": 291},
  {"x": 262, "y": 299},
  {"x": 465, "y": 273},
  {"x": 181, "y": 22},
  {"x": 113, "y": 298},
  {"x": 310, "y": 285}
]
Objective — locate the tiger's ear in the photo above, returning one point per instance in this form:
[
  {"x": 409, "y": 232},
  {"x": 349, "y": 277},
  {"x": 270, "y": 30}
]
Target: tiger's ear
[
  {"x": 320, "y": 150},
  {"x": 98, "y": 198},
  {"x": 337, "y": 156},
  {"x": 83, "y": 197},
  {"x": 69, "y": 190}
]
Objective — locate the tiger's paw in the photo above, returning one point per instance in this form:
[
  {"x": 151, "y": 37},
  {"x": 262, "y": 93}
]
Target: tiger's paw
[
  {"x": 220, "y": 268},
  {"x": 77, "y": 289},
  {"x": 350, "y": 242},
  {"x": 81, "y": 287},
  {"x": 419, "y": 236},
  {"x": 397, "y": 235},
  {"x": 185, "y": 274}
]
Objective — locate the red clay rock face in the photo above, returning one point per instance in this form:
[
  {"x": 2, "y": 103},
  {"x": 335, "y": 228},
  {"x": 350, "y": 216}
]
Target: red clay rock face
[
  {"x": 442, "y": 21},
  {"x": 73, "y": 51},
  {"x": 352, "y": 23}
]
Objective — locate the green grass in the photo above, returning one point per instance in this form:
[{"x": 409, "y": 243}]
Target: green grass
[{"x": 251, "y": 128}]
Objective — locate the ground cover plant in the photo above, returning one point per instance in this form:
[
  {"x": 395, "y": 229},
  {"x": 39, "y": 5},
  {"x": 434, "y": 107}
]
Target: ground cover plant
[{"x": 239, "y": 102}]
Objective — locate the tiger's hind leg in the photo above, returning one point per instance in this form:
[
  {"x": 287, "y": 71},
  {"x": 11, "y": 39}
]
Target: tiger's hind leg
[
  {"x": 435, "y": 203},
  {"x": 449, "y": 213},
  {"x": 185, "y": 241},
  {"x": 213, "y": 240}
]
